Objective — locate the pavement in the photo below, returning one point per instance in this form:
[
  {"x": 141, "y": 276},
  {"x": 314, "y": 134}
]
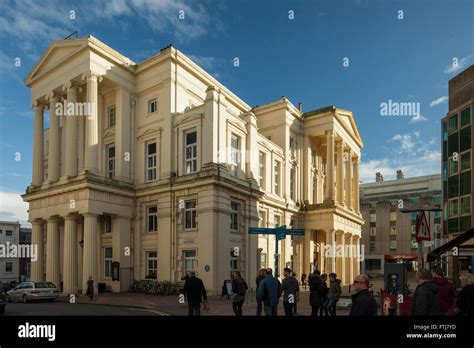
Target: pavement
[{"x": 171, "y": 305}]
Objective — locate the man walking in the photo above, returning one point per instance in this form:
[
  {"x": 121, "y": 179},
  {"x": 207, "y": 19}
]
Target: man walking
[
  {"x": 291, "y": 292},
  {"x": 195, "y": 292},
  {"x": 363, "y": 304},
  {"x": 315, "y": 291},
  {"x": 426, "y": 296},
  {"x": 269, "y": 291},
  {"x": 333, "y": 295}
]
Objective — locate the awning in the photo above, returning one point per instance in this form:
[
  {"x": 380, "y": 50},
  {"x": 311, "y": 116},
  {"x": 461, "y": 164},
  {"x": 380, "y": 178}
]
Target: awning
[
  {"x": 401, "y": 257},
  {"x": 456, "y": 242}
]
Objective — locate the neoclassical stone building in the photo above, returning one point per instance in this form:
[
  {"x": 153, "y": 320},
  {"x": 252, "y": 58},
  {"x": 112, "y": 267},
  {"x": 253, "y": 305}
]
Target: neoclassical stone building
[{"x": 162, "y": 169}]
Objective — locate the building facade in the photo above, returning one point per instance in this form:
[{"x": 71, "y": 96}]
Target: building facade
[
  {"x": 162, "y": 169},
  {"x": 389, "y": 235},
  {"x": 9, "y": 266},
  {"x": 457, "y": 163},
  {"x": 25, "y": 260}
]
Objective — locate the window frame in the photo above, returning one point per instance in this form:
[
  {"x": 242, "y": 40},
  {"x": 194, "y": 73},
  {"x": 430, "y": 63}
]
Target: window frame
[
  {"x": 193, "y": 147},
  {"x": 154, "y": 216},
  {"x": 234, "y": 216},
  {"x": 151, "y": 156},
  {"x": 108, "y": 261},
  {"x": 235, "y": 154},
  {"x": 151, "y": 102},
  {"x": 277, "y": 177},
  {"x": 111, "y": 161},
  {"x": 153, "y": 259},
  {"x": 193, "y": 213},
  {"x": 261, "y": 169},
  {"x": 114, "y": 116}
]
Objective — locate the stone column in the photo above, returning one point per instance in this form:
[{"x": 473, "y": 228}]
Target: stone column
[
  {"x": 70, "y": 255},
  {"x": 122, "y": 135},
  {"x": 121, "y": 239},
  {"x": 37, "y": 267},
  {"x": 340, "y": 172},
  {"x": 307, "y": 257},
  {"x": 340, "y": 257},
  {"x": 356, "y": 253},
  {"x": 349, "y": 180},
  {"x": 89, "y": 268},
  {"x": 356, "y": 185},
  {"x": 53, "y": 135},
  {"x": 92, "y": 124},
  {"x": 349, "y": 258},
  {"x": 71, "y": 130},
  {"x": 52, "y": 252},
  {"x": 330, "y": 165},
  {"x": 38, "y": 146},
  {"x": 331, "y": 252}
]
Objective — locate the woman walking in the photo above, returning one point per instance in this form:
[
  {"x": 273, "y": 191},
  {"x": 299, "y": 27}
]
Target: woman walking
[{"x": 239, "y": 288}]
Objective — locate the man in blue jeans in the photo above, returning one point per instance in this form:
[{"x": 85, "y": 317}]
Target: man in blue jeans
[
  {"x": 333, "y": 294},
  {"x": 269, "y": 291}
]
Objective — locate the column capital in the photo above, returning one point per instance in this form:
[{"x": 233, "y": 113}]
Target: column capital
[
  {"x": 92, "y": 75},
  {"x": 339, "y": 232},
  {"x": 355, "y": 159},
  {"x": 37, "y": 222},
  {"x": 329, "y": 132},
  {"x": 70, "y": 217},
  {"x": 71, "y": 86},
  {"x": 90, "y": 214},
  {"x": 340, "y": 143},
  {"x": 36, "y": 104}
]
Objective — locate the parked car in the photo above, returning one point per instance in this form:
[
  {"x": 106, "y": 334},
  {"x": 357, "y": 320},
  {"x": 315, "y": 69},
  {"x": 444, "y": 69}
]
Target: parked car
[
  {"x": 3, "y": 299},
  {"x": 31, "y": 291}
]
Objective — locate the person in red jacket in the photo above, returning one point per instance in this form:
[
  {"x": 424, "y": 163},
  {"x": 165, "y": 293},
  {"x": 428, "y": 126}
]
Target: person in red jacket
[{"x": 446, "y": 290}]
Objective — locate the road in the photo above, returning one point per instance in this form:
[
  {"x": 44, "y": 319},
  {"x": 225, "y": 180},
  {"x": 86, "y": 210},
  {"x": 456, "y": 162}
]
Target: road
[{"x": 65, "y": 308}]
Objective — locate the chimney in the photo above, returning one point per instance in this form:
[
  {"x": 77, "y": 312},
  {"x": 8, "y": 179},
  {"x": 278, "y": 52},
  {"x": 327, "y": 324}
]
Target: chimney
[
  {"x": 300, "y": 107},
  {"x": 378, "y": 177},
  {"x": 400, "y": 174}
]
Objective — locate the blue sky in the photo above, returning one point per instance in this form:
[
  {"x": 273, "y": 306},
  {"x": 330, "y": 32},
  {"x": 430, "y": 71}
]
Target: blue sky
[{"x": 403, "y": 60}]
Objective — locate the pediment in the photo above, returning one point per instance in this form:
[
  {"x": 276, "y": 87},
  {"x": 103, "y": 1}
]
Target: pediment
[
  {"x": 149, "y": 131},
  {"x": 55, "y": 54},
  {"x": 348, "y": 122}
]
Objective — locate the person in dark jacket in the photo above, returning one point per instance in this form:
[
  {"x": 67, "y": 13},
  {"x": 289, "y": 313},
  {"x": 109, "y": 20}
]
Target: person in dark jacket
[
  {"x": 90, "y": 288},
  {"x": 445, "y": 288},
  {"x": 465, "y": 300},
  {"x": 269, "y": 291},
  {"x": 324, "y": 295},
  {"x": 195, "y": 292},
  {"x": 291, "y": 291},
  {"x": 334, "y": 294},
  {"x": 260, "y": 277},
  {"x": 315, "y": 291},
  {"x": 426, "y": 297},
  {"x": 295, "y": 305},
  {"x": 303, "y": 280},
  {"x": 239, "y": 288},
  {"x": 363, "y": 303}
]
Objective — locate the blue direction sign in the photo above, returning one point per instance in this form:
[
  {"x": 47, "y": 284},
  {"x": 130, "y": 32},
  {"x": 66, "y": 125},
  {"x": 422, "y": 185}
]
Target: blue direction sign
[{"x": 280, "y": 233}]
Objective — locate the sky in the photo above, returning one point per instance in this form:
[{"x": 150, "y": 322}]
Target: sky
[{"x": 354, "y": 54}]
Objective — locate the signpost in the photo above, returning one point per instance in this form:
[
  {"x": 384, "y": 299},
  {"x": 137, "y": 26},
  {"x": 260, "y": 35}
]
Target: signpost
[{"x": 280, "y": 233}]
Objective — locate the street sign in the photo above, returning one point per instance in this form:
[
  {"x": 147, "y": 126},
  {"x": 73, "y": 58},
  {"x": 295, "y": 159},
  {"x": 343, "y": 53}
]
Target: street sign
[
  {"x": 422, "y": 227},
  {"x": 428, "y": 243}
]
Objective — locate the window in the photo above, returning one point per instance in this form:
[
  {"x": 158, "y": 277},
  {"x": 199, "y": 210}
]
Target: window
[
  {"x": 276, "y": 173},
  {"x": 414, "y": 201},
  {"x": 453, "y": 123},
  {"x": 190, "y": 215},
  {"x": 465, "y": 183},
  {"x": 464, "y": 139},
  {"x": 262, "y": 217},
  {"x": 234, "y": 262},
  {"x": 8, "y": 233},
  {"x": 465, "y": 117},
  {"x": 152, "y": 219},
  {"x": 373, "y": 217},
  {"x": 234, "y": 216},
  {"x": 8, "y": 266},
  {"x": 111, "y": 161},
  {"x": 111, "y": 116},
  {"x": 453, "y": 186},
  {"x": 191, "y": 152},
  {"x": 292, "y": 147},
  {"x": 373, "y": 232},
  {"x": 393, "y": 244},
  {"x": 453, "y": 167},
  {"x": 189, "y": 261},
  {"x": 466, "y": 160},
  {"x": 107, "y": 223},
  {"x": 292, "y": 184},
  {"x": 152, "y": 106},
  {"x": 151, "y": 264},
  {"x": 263, "y": 260},
  {"x": 261, "y": 169},
  {"x": 277, "y": 220},
  {"x": 437, "y": 199},
  {"x": 393, "y": 230},
  {"x": 466, "y": 205},
  {"x": 234, "y": 154},
  {"x": 453, "y": 207},
  {"x": 393, "y": 216},
  {"x": 108, "y": 262},
  {"x": 445, "y": 131},
  {"x": 151, "y": 162},
  {"x": 414, "y": 244}
]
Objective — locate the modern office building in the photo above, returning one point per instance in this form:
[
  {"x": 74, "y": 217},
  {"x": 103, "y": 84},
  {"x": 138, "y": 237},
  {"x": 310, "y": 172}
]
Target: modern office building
[
  {"x": 388, "y": 234},
  {"x": 457, "y": 163},
  {"x": 155, "y": 169},
  {"x": 9, "y": 265}
]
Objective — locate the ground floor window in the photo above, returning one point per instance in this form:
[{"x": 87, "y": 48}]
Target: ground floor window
[
  {"x": 189, "y": 261},
  {"x": 373, "y": 265},
  {"x": 108, "y": 262},
  {"x": 151, "y": 265}
]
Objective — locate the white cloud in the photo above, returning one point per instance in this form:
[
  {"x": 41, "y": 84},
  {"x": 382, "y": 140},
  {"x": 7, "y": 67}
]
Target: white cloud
[
  {"x": 405, "y": 141},
  {"x": 440, "y": 100},
  {"x": 457, "y": 65},
  {"x": 12, "y": 208},
  {"x": 418, "y": 118}
]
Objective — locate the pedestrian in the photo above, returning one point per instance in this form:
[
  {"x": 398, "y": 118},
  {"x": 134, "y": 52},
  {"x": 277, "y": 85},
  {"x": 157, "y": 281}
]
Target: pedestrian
[
  {"x": 90, "y": 288},
  {"x": 295, "y": 305},
  {"x": 334, "y": 294},
  {"x": 426, "y": 297},
  {"x": 303, "y": 280},
  {"x": 260, "y": 277},
  {"x": 224, "y": 291},
  {"x": 269, "y": 291},
  {"x": 239, "y": 288},
  {"x": 363, "y": 303},
  {"x": 465, "y": 300},
  {"x": 445, "y": 288},
  {"x": 195, "y": 293},
  {"x": 315, "y": 291},
  {"x": 291, "y": 291},
  {"x": 324, "y": 295}
]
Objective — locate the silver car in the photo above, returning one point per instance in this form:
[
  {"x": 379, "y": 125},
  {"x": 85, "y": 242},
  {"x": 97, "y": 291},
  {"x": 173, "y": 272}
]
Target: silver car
[{"x": 31, "y": 291}]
